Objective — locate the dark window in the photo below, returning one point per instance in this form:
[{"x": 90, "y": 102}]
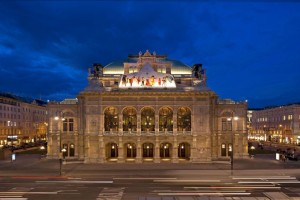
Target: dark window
[{"x": 226, "y": 124}]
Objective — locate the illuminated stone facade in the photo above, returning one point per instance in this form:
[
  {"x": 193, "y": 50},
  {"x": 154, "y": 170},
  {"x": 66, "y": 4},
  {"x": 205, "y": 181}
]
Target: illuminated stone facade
[
  {"x": 147, "y": 108},
  {"x": 279, "y": 124},
  {"x": 22, "y": 120}
]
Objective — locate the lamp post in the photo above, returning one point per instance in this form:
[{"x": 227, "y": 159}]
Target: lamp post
[
  {"x": 60, "y": 150},
  {"x": 12, "y": 124},
  {"x": 232, "y": 140}
]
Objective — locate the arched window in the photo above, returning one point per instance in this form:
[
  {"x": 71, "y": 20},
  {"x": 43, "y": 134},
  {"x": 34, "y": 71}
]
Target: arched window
[
  {"x": 165, "y": 150},
  {"x": 112, "y": 150},
  {"x": 130, "y": 150},
  {"x": 148, "y": 119},
  {"x": 129, "y": 119},
  {"x": 184, "y": 150},
  {"x": 184, "y": 119},
  {"x": 148, "y": 149},
  {"x": 111, "y": 119},
  {"x": 165, "y": 119}
]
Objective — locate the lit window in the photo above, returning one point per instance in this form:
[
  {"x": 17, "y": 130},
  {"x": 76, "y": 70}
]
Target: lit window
[
  {"x": 284, "y": 117},
  {"x": 226, "y": 125},
  {"x": 68, "y": 124},
  {"x": 132, "y": 69},
  {"x": 161, "y": 69}
]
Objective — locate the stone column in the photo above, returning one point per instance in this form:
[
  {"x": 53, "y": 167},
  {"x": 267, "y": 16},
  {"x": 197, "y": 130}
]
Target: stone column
[
  {"x": 156, "y": 128},
  {"x": 138, "y": 122},
  {"x": 138, "y": 158},
  {"x": 194, "y": 155},
  {"x": 156, "y": 150},
  {"x": 87, "y": 149},
  {"x": 120, "y": 124},
  {"x": 175, "y": 121},
  {"x": 219, "y": 145},
  {"x": 101, "y": 149},
  {"x": 175, "y": 150},
  {"x": 76, "y": 143},
  {"x": 120, "y": 151}
]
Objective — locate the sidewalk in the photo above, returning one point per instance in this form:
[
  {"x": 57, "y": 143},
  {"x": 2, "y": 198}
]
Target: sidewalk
[{"x": 34, "y": 163}]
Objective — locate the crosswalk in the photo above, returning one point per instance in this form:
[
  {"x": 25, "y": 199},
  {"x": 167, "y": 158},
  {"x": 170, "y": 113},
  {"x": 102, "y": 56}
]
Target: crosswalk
[
  {"x": 232, "y": 188},
  {"x": 240, "y": 188}
]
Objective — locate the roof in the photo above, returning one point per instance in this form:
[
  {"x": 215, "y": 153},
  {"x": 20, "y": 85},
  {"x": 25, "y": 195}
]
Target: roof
[
  {"x": 117, "y": 67},
  {"x": 23, "y": 99}
]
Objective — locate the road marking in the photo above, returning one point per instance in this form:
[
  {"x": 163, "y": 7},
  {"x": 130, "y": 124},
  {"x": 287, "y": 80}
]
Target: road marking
[
  {"x": 202, "y": 194},
  {"x": 39, "y": 177},
  {"x": 271, "y": 182},
  {"x": 86, "y": 182},
  {"x": 265, "y": 178},
  {"x": 141, "y": 178},
  {"x": 11, "y": 196},
  {"x": 73, "y": 178},
  {"x": 276, "y": 195},
  {"x": 187, "y": 181},
  {"x": 111, "y": 194},
  {"x": 66, "y": 190},
  {"x": 22, "y": 193},
  {"x": 233, "y": 187},
  {"x": 197, "y": 191}
]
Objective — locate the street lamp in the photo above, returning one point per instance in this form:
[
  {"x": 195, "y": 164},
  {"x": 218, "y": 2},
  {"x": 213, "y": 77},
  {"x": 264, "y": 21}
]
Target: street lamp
[
  {"x": 12, "y": 124},
  {"x": 61, "y": 160},
  {"x": 61, "y": 151},
  {"x": 232, "y": 140}
]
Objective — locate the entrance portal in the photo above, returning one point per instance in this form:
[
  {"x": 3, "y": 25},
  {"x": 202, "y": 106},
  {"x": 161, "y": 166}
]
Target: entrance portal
[
  {"x": 184, "y": 150},
  {"x": 131, "y": 150},
  {"x": 148, "y": 150},
  {"x": 112, "y": 150},
  {"x": 165, "y": 149}
]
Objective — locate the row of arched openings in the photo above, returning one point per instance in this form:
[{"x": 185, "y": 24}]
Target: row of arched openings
[
  {"x": 148, "y": 151},
  {"x": 111, "y": 119}
]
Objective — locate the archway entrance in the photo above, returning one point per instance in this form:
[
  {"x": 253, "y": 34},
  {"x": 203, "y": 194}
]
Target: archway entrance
[
  {"x": 130, "y": 150},
  {"x": 184, "y": 150},
  {"x": 148, "y": 150},
  {"x": 165, "y": 150},
  {"x": 112, "y": 150}
]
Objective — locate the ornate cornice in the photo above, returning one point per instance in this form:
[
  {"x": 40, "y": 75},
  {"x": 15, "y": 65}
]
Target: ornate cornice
[{"x": 149, "y": 93}]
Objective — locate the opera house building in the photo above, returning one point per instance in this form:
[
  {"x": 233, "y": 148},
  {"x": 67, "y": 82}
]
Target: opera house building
[{"x": 147, "y": 108}]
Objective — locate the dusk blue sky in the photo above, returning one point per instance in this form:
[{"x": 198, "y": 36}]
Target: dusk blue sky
[{"x": 251, "y": 50}]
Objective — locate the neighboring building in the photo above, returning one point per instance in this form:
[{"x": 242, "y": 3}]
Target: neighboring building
[
  {"x": 22, "y": 120},
  {"x": 147, "y": 108},
  {"x": 277, "y": 124},
  {"x": 249, "y": 123}
]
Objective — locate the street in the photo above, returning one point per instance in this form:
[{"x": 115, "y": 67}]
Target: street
[{"x": 30, "y": 177}]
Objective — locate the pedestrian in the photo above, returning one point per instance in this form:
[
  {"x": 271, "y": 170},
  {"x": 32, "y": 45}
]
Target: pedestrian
[{"x": 283, "y": 158}]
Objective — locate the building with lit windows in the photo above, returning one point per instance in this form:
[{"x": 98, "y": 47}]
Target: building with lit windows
[
  {"x": 22, "y": 120},
  {"x": 277, "y": 124},
  {"x": 147, "y": 108}
]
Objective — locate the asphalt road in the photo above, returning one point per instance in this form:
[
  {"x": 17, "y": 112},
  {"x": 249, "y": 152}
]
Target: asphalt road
[{"x": 30, "y": 177}]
